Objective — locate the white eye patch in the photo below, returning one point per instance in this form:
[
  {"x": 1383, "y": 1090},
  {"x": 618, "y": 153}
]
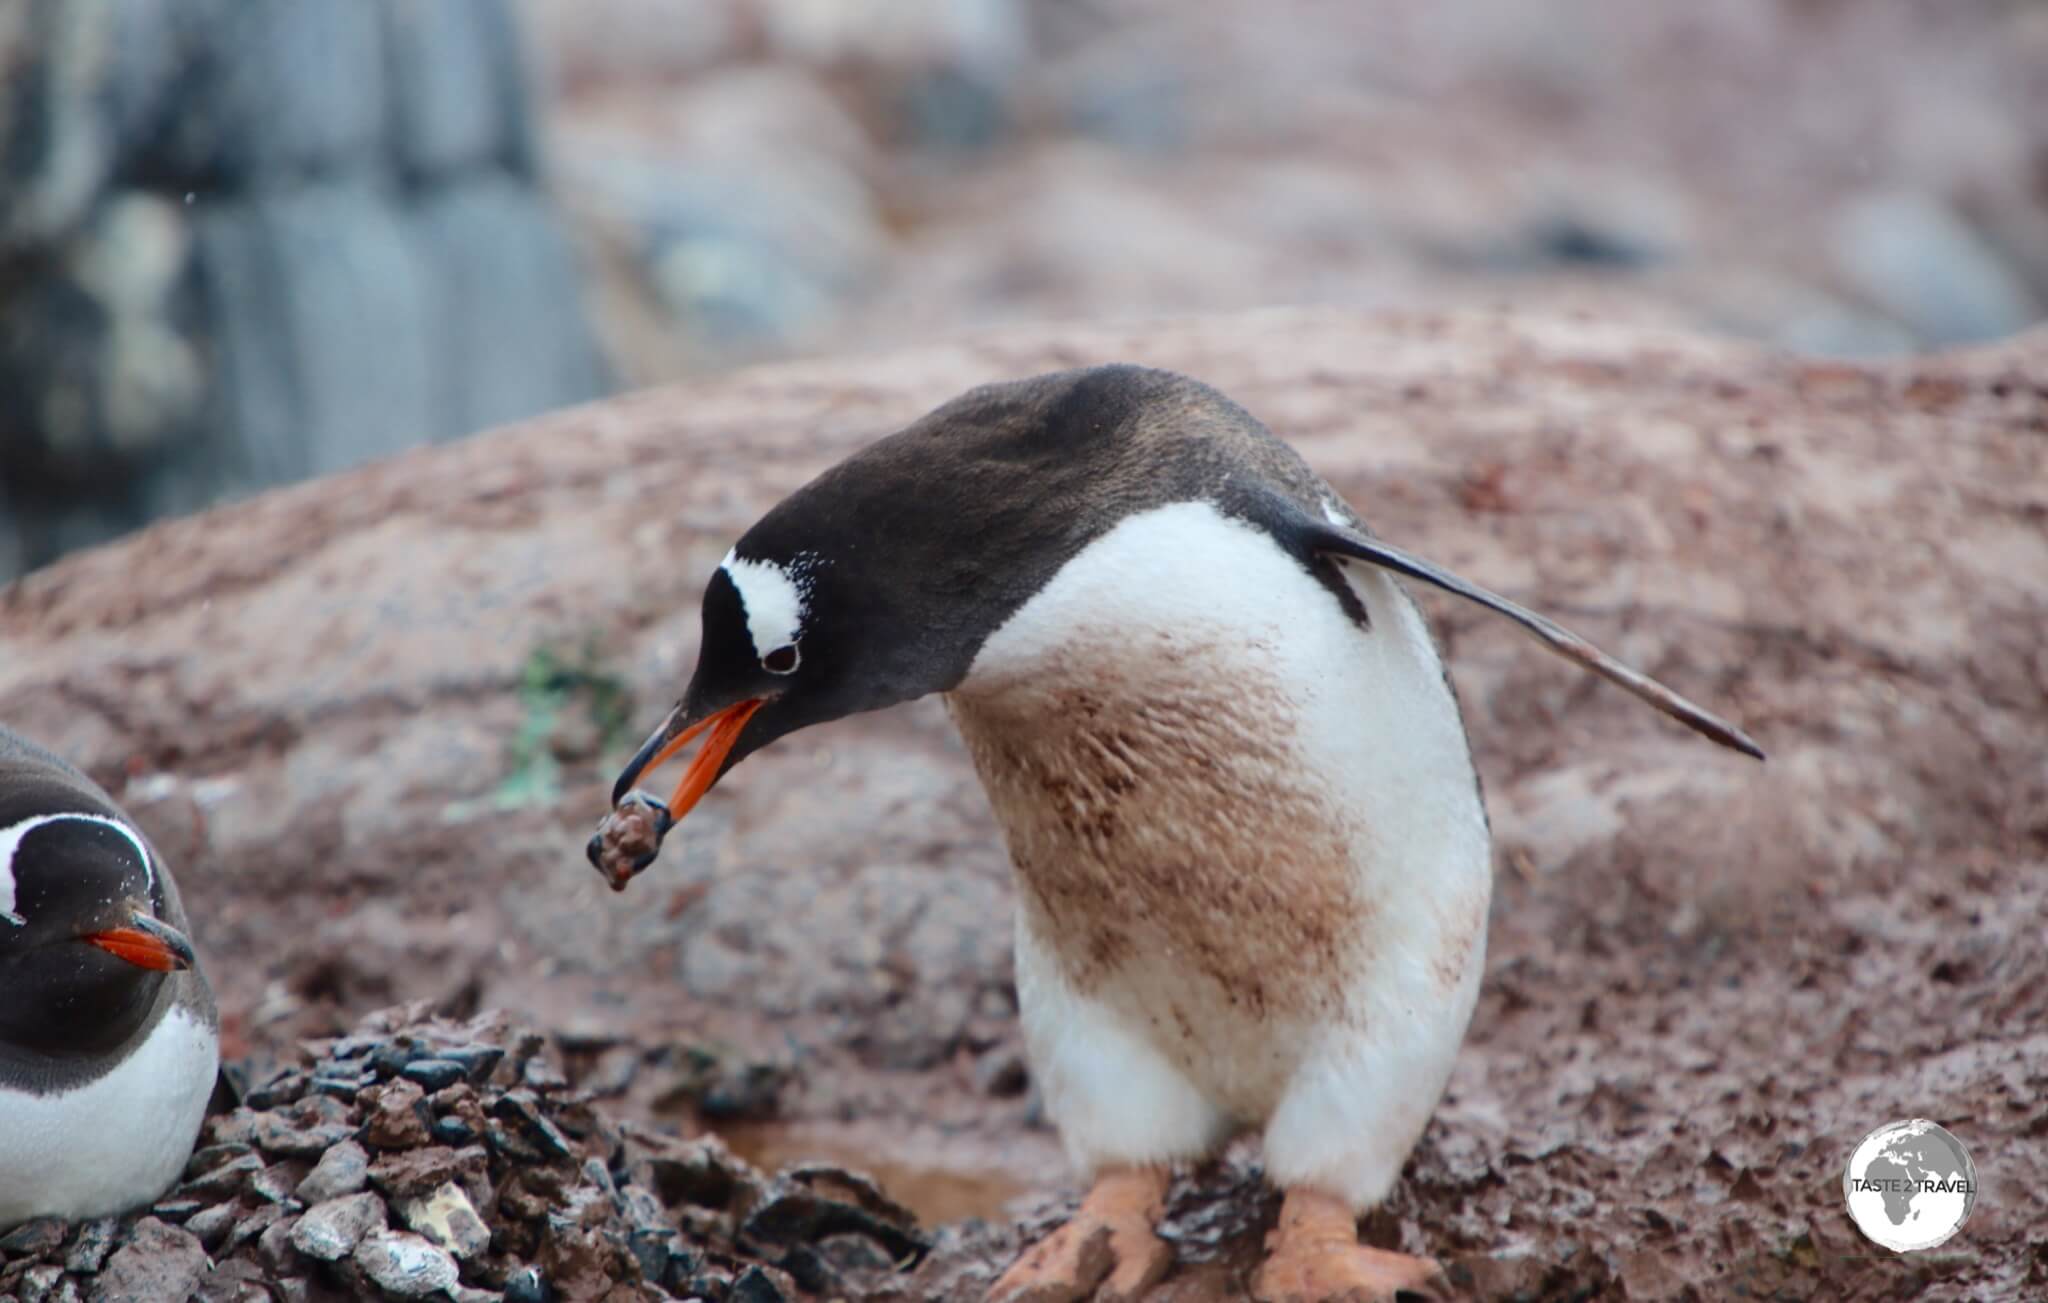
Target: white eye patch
[
  {"x": 774, "y": 596},
  {"x": 10, "y": 842}
]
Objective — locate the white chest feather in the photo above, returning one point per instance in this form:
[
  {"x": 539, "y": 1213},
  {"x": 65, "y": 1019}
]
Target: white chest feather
[
  {"x": 1237, "y": 818},
  {"x": 115, "y": 1142}
]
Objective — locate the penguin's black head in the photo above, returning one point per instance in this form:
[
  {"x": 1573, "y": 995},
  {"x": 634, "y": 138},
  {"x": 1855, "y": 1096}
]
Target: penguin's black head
[
  {"x": 83, "y": 948},
  {"x": 878, "y": 581},
  {"x": 793, "y": 635}
]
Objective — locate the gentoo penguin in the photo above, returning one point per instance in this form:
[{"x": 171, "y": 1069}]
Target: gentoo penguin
[
  {"x": 108, "y": 1040},
  {"x": 1252, "y": 861}
]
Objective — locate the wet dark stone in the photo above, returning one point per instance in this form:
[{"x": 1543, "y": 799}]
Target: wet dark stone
[
  {"x": 282, "y": 1087},
  {"x": 685, "y": 1268},
  {"x": 650, "y": 1239},
  {"x": 507, "y": 1141},
  {"x": 213, "y": 1156},
  {"x": 452, "y": 1131},
  {"x": 34, "y": 1238},
  {"x": 700, "y": 1175},
  {"x": 304, "y": 1131},
  {"x": 478, "y": 1061},
  {"x": 390, "y": 1058},
  {"x": 230, "y": 1178},
  {"x": 810, "y": 1271},
  {"x": 253, "y": 1226},
  {"x": 355, "y": 1047},
  {"x": 176, "y": 1210},
  {"x": 756, "y": 1286},
  {"x": 806, "y": 1205},
  {"x": 211, "y": 1225},
  {"x": 522, "y": 1107},
  {"x": 527, "y": 1285},
  {"x": 338, "y": 1087},
  {"x": 434, "y": 1074}
]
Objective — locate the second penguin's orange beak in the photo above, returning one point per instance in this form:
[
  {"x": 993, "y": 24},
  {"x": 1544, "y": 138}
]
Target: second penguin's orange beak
[
  {"x": 673, "y": 736},
  {"x": 145, "y": 943}
]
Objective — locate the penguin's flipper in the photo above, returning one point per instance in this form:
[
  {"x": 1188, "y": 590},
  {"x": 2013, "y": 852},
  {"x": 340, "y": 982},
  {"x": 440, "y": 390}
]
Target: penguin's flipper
[{"x": 1333, "y": 540}]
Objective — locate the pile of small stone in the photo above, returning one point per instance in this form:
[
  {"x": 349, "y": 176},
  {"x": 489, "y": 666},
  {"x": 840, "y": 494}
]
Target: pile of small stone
[{"x": 423, "y": 1158}]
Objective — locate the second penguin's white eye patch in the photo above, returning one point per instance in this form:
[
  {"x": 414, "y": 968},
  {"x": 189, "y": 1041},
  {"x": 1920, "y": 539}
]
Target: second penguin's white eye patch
[
  {"x": 10, "y": 843},
  {"x": 774, "y": 596}
]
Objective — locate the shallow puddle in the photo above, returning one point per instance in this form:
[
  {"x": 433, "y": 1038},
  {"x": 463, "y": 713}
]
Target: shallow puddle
[{"x": 936, "y": 1178}]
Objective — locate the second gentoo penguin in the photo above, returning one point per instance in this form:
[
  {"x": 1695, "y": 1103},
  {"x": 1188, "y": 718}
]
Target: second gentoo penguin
[
  {"x": 1253, "y": 864},
  {"x": 108, "y": 1036}
]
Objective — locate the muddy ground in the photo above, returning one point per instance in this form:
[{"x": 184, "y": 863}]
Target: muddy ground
[{"x": 372, "y": 720}]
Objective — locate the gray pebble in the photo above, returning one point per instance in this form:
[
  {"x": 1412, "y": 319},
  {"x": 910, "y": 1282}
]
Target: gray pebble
[
  {"x": 404, "y": 1264},
  {"x": 279, "y": 1133},
  {"x": 527, "y": 1285},
  {"x": 276, "y": 1183},
  {"x": 212, "y": 1225},
  {"x": 343, "y": 1169},
  {"x": 252, "y": 1226},
  {"x": 158, "y": 1262},
  {"x": 95, "y": 1240},
  {"x": 331, "y": 1231},
  {"x": 38, "y": 1283},
  {"x": 211, "y": 1157},
  {"x": 274, "y": 1245}
]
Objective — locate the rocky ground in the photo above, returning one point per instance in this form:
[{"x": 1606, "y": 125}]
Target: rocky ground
[
  {"x": 421, "y": 1158},
  {"x": 373, "y": 718}
]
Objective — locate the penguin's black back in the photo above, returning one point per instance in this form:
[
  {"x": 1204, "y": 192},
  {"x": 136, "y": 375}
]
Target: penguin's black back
[{"x": 952, "y": 523}]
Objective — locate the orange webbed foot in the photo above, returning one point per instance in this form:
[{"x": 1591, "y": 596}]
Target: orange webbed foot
[
  {"x": 1107, "y": 1251},
  {"x": 1315, "y": 1257}
]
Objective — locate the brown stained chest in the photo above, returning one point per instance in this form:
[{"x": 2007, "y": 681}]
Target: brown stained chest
[{"x": 1159, "y": 818}]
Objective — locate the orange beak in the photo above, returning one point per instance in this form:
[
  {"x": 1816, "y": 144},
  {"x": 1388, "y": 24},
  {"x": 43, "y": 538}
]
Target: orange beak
[
  {"x": 148, "y": 943},
  {"x": 725, "y": 728}
]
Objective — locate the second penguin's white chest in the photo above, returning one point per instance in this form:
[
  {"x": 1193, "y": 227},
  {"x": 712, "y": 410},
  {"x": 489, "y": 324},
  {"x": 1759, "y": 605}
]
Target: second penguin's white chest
[
  {"x": 115, "y": 1142},
  {"x": 1236, "y": 816}
]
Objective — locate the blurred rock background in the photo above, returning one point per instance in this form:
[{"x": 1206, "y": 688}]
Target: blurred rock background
[
  {"x": 248, "y": 241},
  {"x": 244, "y": 241}
]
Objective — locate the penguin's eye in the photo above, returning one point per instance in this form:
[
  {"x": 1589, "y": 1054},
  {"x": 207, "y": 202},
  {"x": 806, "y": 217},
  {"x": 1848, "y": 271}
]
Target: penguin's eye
[{"x": 783, "y": 660}]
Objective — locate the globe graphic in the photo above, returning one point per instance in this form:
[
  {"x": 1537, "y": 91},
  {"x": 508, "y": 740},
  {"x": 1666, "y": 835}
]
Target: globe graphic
[{"x": 1910, "y": 1185}]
